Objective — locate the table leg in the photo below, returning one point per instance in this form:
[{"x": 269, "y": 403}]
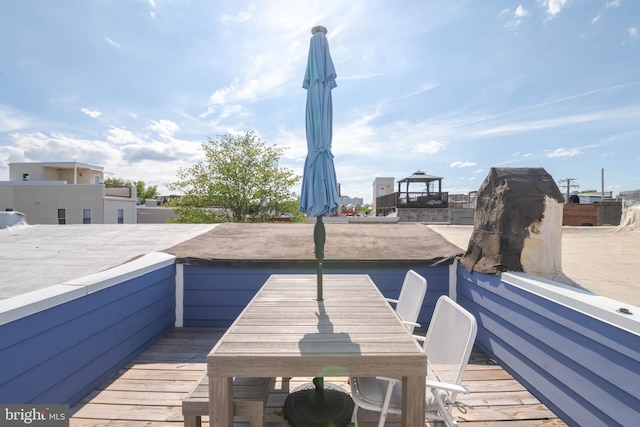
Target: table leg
[
  {"x": 221, "y": 401},
  {"x": 413, "y": 397}
]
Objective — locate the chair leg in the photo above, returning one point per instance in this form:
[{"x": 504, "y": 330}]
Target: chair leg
[
  {"x": 385, "y": 405},
  {"x": 383, "y": 418},
  {"x": 354, "y": 416},
  {"x": 444, "y": 410}
]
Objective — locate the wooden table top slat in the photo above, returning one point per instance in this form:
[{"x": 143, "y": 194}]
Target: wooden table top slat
[{"x": 284, "y": 325}]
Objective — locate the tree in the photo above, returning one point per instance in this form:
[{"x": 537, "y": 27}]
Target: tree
[
  {"x": 116, "y": 183},
  {"x": 142, "y": 191},
  {"x": 239, "y": 179},
  {"x": 145, "y": 192}
]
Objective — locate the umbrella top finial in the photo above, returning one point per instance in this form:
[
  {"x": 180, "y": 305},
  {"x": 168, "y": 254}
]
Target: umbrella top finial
[{"x": 319, "y": 28}]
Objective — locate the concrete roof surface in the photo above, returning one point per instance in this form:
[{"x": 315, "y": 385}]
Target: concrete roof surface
[
  {"x": 604, "y": 260},
  {"x": 34, "y": 257}
]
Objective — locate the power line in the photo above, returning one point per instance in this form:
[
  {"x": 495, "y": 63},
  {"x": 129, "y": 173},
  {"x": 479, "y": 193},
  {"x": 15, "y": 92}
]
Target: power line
[{"x": 567, "y": 183}]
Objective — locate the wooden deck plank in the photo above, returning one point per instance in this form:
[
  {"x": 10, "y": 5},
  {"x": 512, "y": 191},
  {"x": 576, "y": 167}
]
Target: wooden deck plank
[
  {"x": 167, "y": 386},
  {"x": 94, "y": 422},
  {"x": 149, "y": 391},
  {"x": 167, "y": 365},
  {"x": 124, "y": 412},
  {"x": 138, "y": 398},
  {"x": 157, "y": 374}
]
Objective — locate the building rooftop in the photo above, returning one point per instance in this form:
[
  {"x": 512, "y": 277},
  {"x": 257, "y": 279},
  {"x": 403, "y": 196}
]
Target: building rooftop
[
  {"x": 602, "y": 260},
  {"x": 34, "y": 257}
]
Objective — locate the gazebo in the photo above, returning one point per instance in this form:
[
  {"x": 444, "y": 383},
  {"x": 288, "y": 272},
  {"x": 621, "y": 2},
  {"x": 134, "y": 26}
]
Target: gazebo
[
  {"x": 427, "y": 196},
  {"x": 421, "y": 196}
]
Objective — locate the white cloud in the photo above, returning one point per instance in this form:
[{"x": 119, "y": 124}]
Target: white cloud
[
  {"x": 122, "y": 136},
  {"x": 633, "y": 33},
  {"x": 164, "y": 128},
  {"x": 242, "y": 16},
  {"x": 230, "y": 110},
  {"x": 152, "y": 3},
  {"x": 553, "y": 7},
  {"x": 624, "y": 114},
  {"x": 563, "y": 152},
  {"x": 91, "y": 113},
  {"x": 10, "y": 119},
  {"x": 521, "y": 12},
  {"x": 431, "y": 147},
  {"x": 608, "y": 5},
  {"x": 40, "y": 147},
  {"x": 266, "y": 75},
  {"x": 111, "y": 42},
  {"x": 462, "y": 164},
  {"x": 516, "y": 18},
  {"x": 221, "y": 96}
]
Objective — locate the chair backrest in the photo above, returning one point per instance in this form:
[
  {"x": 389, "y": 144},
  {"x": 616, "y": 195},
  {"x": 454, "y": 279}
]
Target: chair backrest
[
  {"x": 449, "y": 340},
  {"x": 412, "y": 293}
]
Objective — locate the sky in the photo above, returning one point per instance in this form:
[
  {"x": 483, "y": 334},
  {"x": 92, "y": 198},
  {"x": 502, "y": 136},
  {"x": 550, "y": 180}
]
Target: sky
[{"x": 450, "y": 88}]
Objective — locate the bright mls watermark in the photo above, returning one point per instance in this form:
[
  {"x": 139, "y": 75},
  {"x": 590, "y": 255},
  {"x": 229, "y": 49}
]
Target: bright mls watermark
[{"x": 34, "y": 415}]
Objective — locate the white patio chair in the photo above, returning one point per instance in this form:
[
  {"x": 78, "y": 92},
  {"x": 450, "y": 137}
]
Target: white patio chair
[
  {"x": 448, "y": 345},
  {"x": 409, "y": 302}
]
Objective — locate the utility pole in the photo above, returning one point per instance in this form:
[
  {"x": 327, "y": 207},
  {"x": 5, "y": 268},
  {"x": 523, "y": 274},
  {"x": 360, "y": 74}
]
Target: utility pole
[{"x": 567, "y": 183}]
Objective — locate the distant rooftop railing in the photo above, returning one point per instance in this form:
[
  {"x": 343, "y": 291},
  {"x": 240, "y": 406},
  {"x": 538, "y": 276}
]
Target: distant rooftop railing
[{"x": 413, "y": 200}]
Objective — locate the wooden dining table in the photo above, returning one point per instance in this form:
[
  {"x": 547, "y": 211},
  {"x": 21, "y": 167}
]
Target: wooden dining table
[{"x": 286, "y": 332}]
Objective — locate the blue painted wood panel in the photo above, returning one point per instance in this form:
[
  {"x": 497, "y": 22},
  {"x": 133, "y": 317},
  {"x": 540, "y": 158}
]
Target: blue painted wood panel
[
  {"x": 215, "y": 295},
  {"x": 60, "y": 354},
  {"x": 587, "y": 371}
]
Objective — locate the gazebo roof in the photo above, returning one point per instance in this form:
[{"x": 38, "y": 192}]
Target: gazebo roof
[{"x": 419, "y": 176}]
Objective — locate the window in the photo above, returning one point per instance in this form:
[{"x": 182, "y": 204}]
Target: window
[
  {"x": 120, "y": 216},
  {"x": 97, "y": 179},
  {"x": 62, "y": 216},
  {"x": 25, "y": 177},
  {"x": 86, "y": 216}
]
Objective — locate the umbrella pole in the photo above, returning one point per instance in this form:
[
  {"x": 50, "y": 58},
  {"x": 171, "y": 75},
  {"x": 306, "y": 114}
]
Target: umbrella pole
[{"x": 319, "y": 237}]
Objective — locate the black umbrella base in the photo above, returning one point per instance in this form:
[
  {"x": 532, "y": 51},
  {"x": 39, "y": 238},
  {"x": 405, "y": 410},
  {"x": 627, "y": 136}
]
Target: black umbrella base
[{"x": 303, "y": 407}]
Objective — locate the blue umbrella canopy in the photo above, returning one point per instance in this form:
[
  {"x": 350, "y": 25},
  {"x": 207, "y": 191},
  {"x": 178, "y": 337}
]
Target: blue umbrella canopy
[{"x": 319, "y": 195}]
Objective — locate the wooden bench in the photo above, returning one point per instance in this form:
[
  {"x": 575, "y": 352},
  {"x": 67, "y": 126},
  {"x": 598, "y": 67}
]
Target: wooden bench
[{"x": 249, "y": 401}]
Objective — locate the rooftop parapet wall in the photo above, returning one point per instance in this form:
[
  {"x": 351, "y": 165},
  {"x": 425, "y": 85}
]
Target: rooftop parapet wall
[
  {"x": 605, "y": 213},
  {"x": 59, "y": 343},
  {"x": 577, "y": 352}
]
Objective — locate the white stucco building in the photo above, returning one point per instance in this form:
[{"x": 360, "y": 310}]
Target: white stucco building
[{"x": 65, "y": 193}]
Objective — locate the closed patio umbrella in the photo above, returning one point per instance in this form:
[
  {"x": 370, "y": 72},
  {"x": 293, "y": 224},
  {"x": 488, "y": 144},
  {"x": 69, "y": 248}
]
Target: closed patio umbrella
[
  {"x": 319, "y": 195},
  {"x": 319, "y": 406}
]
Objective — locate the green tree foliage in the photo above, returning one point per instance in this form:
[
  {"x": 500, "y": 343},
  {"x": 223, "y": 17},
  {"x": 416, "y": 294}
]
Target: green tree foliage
[
  {"x": 364, "y": 210},
  {"x": 116, "y": 183},
  {"x": 142, "y": 191},
  {"x": 238, "y": 180}
]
